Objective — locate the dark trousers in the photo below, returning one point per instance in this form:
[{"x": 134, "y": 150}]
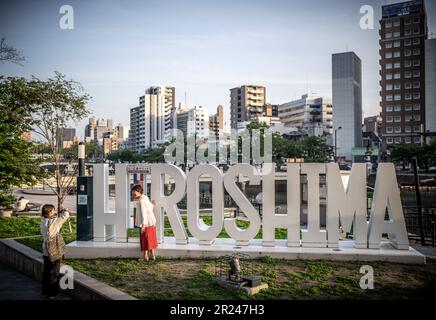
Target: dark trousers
[{"x": 50, "y": 277}]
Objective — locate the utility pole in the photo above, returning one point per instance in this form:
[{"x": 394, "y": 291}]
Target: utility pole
[{"x": 418, "y": 199}]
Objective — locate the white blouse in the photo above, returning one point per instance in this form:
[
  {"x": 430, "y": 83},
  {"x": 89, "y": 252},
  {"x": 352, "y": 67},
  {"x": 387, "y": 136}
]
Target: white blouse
[{"x": 144, "y": 213}]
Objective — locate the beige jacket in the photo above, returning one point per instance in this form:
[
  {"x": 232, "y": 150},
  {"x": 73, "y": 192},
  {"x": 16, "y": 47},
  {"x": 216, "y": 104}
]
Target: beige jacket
[
  {"x": 55, "y": 227},
  {"x": 144, "y": 213}
]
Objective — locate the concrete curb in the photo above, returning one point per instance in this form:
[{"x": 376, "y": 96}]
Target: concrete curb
[{"x": 30, "y": 262}]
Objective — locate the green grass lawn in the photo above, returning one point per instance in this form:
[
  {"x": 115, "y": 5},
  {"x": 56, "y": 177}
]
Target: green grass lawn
[
  {"x": 29, "y": 227},
  {"x": 287, "y": 279},
  {"x": 193, "y": 278}
]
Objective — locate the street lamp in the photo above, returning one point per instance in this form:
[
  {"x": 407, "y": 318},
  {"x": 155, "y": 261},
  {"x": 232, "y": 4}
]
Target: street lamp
[
  {"x": 81, "y": 156},
  {"x": 336, "y": 143}
]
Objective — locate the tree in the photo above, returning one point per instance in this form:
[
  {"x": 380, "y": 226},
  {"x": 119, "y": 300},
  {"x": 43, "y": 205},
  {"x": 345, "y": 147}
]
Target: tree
[
  {"x": 43, "y": 107},
  {"x": 10, "y": 54},
  {"x": 17, "y": 167},
  {"x": 92, "y": 151},
  {"x": 315, "y": 150}
]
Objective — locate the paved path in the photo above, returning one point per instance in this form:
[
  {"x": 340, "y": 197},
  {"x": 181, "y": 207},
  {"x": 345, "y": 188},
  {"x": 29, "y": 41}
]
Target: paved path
[{"x": 17, "y": 286}]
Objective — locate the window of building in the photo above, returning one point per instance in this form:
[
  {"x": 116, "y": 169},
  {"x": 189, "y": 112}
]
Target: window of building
[
  {"x": 397, "y": 54},
  {"x": 397, "y": 86},
  {"x": 397, "y": 34},
  {"x": 407, "y": 140},
  {"x": 416, "y": 84},
  {"x": 389, "y": 130},
  {"x": 389, "y": 108},
  {"x": 388, "y": 24},
  {"x": 388, "y": 45},
  {"x": 397, "y": 97},
  {"x": 397, "y": 44},
  {"x": 397, "y": 65},
  {"x": 417, "y": 106},
  {"x": 407, "y": 32},
  {"x": 407, "y": 52},
  {"x": 415, "y": 30},
  {"x": 389, "y": 119},
  {"x": 389, "y": 97},
  {"x": 389, "y": 140},
  {"x": 407, "y": 63},
  {"x": 388, "y": 76},
  {"x": 416, "y": 41},
  {"x": 396, "y": 23},
  {"x": 416, "y": 129},
  {"x": 407, "y": 42},
  {"x": 416, "y": 73},
  {"x": 388, "y": 65},
  {"x": 397, "y": 140},
  {"x": 408, "y": 107},
  {"x": 397, "y": 107},
  {"x": 388, "y": 35},
  {"x": 408, "y": 129},
  {"x": 408, "y": 96},
  {"x": 397, "y": 75},
  {"x": 416, "y": 52},
  {"x": 416, "y": 95},
  {"x": 416, "y": 20},
  {"x": 388, "y": 87},
  {"x": 388, "y": 55},
  {"x": 407, "y": 21},
  {"x": 417, "y": 139},
  {"x": 397, "y": 119},
  {"x": 397, "y": 129}
]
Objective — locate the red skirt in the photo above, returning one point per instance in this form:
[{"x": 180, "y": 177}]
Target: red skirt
[{"x": 148, "y": 238}]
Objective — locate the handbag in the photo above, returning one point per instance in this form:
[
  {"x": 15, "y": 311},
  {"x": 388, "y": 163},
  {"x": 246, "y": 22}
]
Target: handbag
[{"x": 55, "y": 247}]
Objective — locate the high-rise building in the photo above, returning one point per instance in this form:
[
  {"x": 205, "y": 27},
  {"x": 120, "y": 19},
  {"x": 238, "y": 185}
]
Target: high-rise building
[
  {"x": 372, "y": 124},
  {"x": 430, "y": 86},
  {"x": 65, "y": 137},
  {"x": 312, "y": 114},
  {"x": 403, "y": 31},
  {"x": 110, "y": 143},
  {"x": 198, "y": 123},
  {"x": 246, "y": 103},
  {"x": 122, "y": 132},
  {"x": 347, "y": 103},
  {"x": 89, "y": 129},
  {"x": 151, "y": 122},
  {"x": 216, "y": 122}
]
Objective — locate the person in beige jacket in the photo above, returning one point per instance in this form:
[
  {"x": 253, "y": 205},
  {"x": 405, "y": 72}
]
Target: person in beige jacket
[
  {"x": 145, "y": 220},
  {"x": 50, "y": 227}
]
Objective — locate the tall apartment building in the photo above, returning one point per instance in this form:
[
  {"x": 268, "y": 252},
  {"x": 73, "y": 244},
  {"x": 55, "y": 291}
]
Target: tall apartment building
[
  {"x": 430, "y": 86},
  {"x": 151, "y": 122},
  {"x": 95, "y": 130},
  {"x": 312, "y": 114},
  {"x": 403, "y": 31},
  {"x": 65, "y": 137},
  {"x": 246, "y": 103},
  {"x": 198, "y": 123},
  {"x": 347, "y": 103},
  {"x": 216, "y": 122}
]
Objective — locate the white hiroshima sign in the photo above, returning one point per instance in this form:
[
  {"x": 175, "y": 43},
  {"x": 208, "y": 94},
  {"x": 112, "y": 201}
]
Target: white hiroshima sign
[{"x": 346, "y": 207}]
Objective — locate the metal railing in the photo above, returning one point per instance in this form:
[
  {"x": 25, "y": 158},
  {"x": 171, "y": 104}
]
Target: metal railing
[{"x": 415, "y": 227}]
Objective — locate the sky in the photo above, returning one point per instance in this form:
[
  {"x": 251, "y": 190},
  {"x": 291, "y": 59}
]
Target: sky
[{"x": 119, "y": 48}]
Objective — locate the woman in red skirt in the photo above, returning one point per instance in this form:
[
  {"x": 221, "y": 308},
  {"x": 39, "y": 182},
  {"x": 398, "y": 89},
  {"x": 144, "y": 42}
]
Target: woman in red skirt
[{"x": 146, "y": 220}]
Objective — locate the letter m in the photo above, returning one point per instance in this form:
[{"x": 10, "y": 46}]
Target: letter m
[{"x": 347, "y": 207}]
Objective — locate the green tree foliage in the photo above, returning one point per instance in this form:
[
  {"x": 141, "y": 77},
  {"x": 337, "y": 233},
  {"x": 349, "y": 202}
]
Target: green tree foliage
[
  {"x": 404, "y": 154},
  {"x": 43, "y": 107},
  {"x": 92, "y": 151},
  {"x": 17, "y": 167}
]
